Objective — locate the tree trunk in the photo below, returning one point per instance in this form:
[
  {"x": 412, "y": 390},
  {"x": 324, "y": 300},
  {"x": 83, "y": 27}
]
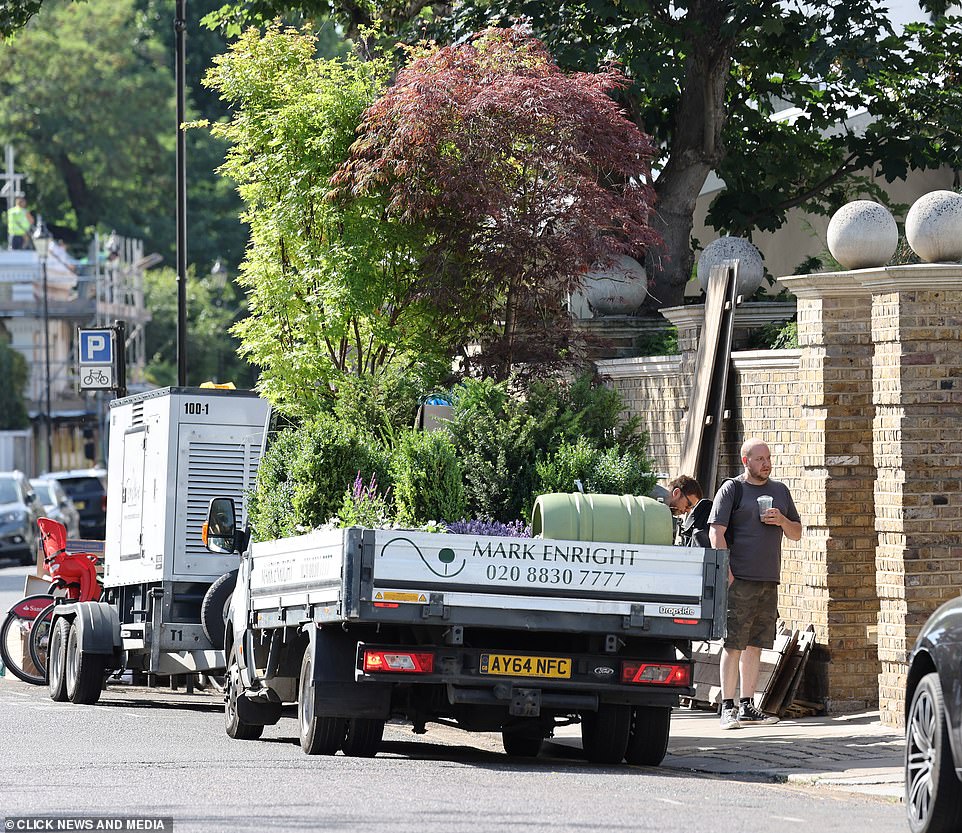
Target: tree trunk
[
  {"x": 696, "y": 149},
  {"x": 77, "y": 192}
]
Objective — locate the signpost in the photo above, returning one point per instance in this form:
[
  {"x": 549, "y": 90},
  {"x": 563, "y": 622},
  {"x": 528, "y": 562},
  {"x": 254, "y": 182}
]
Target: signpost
[{"x": 101, "y": 358}]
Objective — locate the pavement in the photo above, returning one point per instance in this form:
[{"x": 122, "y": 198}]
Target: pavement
[{"x": 852, "y": 752}]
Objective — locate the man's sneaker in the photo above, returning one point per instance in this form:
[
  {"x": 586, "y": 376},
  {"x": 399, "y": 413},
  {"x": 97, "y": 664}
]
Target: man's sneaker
[
  {"x": 729, "y": 718},
  {"x": 748, "y": 715}
]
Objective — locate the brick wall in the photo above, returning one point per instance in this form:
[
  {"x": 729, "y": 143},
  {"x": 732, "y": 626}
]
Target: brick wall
[
  {"x": 916, "y": 318},
  {"x": 865, "y": 427}
]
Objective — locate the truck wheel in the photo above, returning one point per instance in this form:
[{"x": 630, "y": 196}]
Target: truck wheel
[
  {"x": 319, "y": 735},
  {"x": 213, "y": 609},
  {"x": 521, "y": 743},
  {"x": 648, "y": 741},
  {"x": 236, "y": 728},
  {"x": 57, "y": 660},
  {"x": 363, "y": 738},
  {"x": 84, "y": 674},
  {"x": 604, "y": 733}
]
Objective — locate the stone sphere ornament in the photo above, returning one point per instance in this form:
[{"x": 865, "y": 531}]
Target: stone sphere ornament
[
  {"x": 863, "y": 234},
  {"x": 751, "y": 270},
  {"x": 933, "y": 227},
  {"x": 618, "y": 290}
]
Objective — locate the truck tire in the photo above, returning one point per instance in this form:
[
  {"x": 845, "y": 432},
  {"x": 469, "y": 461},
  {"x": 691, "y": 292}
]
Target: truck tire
[
  {"x": 57, "y": 660},
  {"x": 236, "y": 728},
  {"x": 213, "y": 609},
  {"x": 648, "y": 741},
  {"x": 84, "y": 672},
  {"x": 522, "y": 743},
  {"x": 319, "y": 735},
  {"x": 604, "y": 733},
  {"x": 363, "y": 738}
]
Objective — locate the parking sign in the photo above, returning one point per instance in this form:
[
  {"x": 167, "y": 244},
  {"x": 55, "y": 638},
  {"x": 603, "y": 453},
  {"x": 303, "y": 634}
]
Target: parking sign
[{"x": 96, "y": 347}]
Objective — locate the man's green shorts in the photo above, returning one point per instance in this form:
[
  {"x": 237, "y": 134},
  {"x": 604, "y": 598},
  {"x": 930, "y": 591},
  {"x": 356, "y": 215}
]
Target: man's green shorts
[{"x": 752, "y": 614}]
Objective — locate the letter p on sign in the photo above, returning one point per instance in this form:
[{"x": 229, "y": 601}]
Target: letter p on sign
[{"x": 95, "y": 347}]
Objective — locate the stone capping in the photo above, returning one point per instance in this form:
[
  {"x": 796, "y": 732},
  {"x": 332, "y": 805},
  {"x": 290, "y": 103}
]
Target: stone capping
[
  {"x": 826, "y": 284},
  {"x": 913, "y": 277},
  {"x": 639, "y": 366},
  {"x": 766, "y": 359},
  {"x": 748, "y": 315}
]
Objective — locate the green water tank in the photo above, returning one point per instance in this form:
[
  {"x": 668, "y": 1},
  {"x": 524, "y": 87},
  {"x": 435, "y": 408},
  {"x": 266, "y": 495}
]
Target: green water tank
[{"x": 621, "y": 519}]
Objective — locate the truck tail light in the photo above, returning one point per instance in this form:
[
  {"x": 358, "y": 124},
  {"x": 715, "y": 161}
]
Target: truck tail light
[
  {"x": 656, "y": 673},
  {"x": 399, "y": 662}
]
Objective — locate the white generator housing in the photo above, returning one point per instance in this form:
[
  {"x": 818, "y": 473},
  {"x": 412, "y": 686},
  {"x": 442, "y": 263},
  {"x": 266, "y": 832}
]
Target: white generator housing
[{"x": 171, "y": 451}]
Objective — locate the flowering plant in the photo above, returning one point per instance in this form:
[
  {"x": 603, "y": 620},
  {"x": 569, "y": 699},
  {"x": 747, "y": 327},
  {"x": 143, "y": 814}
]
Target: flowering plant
[
  {"x": 485, "y": 526},
  {"x": 364, "y": 505}
]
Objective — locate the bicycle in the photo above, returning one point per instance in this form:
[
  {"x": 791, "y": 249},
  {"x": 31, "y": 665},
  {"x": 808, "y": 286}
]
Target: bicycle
[
  {"x": 96, "y": 377},
  {"x": 24, "y": 635}
]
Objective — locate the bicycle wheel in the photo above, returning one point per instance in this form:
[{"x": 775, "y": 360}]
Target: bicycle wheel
[
  {"x": 15, "y": 637},
  {"x": 40, "y": 640}
]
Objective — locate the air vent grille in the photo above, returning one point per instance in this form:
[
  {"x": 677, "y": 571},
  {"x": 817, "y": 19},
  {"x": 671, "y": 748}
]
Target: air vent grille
[{"x": 216, "y": 470}]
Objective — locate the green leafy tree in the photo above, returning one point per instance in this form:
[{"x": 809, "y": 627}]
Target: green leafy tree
[
  {"x": 708, "y": 76},
  {"x": 332, "y": 283},
  {"x": 86, "y": 99},
  {"x": 13, "y": 381},
  {"x": 213, "y": 307}
]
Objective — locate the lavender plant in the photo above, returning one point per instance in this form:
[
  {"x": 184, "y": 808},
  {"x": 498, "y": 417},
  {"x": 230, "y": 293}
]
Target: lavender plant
[
  {"x": 485, "y": 526},
  {"x": 364, "y": 505}
]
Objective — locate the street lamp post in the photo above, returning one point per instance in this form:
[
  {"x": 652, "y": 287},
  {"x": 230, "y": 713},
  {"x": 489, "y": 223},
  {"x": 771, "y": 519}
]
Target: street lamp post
[{"x": 41, "y": 243}]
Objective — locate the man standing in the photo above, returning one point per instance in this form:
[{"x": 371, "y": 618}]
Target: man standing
[
  {"x": 749, "y": 517},
  {"x": 19, "y": 223}
]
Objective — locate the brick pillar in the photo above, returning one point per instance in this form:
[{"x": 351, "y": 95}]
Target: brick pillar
[
  {"x": 829, "y": 579},
  {"x": 916, "y": 317}
]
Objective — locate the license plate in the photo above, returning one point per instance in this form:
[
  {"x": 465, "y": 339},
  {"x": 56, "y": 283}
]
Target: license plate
[
  {"x": 510, "y": 665},
  {"x": 80, "y": 504}
]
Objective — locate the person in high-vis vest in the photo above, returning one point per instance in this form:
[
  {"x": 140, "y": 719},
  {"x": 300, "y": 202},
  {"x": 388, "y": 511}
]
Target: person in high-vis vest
[{"x": 19, "y": 223}]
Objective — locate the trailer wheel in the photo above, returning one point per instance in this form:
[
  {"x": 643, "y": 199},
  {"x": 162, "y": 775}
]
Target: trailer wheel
[
  {"x": 213, "y": 609},
  {"x": 363, "y": 738},
  {"x": 319, "y": 735},
  {"x": 521, "y": 743},
  {"x": 84, "y": 672},
  {"x": 57, "y": 660},
  {"x": 236, "y": 728},
  {"x": 648, "y": 741},
  {"x": 604, "y": 733}
]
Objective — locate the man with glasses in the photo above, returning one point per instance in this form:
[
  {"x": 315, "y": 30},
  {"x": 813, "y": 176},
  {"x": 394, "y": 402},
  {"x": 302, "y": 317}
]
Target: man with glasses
[{"x": 683, "y": 493}]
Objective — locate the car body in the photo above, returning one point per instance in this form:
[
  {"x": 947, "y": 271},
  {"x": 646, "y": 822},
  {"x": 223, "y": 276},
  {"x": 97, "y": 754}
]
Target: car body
[
  {"x": 933, "y": 724},
  {"x": 87, "y": 488},
  {"x": 57, "y": 504},
  {"x": 19, "y": 511}
]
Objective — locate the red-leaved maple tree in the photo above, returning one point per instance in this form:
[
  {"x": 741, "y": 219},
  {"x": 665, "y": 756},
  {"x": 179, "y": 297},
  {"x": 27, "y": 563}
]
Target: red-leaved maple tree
[{"x": 522, "y": 178}]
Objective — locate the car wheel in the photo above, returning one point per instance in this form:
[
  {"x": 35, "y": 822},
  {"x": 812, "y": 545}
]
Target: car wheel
[{"x": 933, "y": 793}]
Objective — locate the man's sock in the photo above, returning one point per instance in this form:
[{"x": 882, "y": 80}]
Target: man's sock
[{"x": 728, "y": 704}]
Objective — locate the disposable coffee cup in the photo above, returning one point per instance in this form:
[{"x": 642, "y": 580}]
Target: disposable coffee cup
[{"x": 764, "y": 504}]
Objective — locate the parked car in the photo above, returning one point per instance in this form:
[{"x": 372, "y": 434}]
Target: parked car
[
  {"x": 56, "y": 504},
  {"x": 19, "y": 511},
  {"x": 87, "y": 488},
  {"x": 933, "y": 724}
]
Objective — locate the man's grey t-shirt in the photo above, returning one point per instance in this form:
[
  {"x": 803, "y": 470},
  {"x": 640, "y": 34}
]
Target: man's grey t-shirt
[{"x": 756, "y": 548}]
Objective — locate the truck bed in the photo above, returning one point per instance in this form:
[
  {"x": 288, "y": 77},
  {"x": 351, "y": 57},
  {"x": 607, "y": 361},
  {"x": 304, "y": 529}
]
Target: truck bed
[{"x": 399, "y": 576}]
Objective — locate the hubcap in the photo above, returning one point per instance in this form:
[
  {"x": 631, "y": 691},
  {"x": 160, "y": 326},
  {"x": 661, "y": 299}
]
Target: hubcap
[{"x": 920, "y": 757}]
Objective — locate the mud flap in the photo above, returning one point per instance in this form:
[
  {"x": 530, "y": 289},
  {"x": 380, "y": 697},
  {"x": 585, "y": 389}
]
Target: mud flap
[{"x": 336, "y": 693}]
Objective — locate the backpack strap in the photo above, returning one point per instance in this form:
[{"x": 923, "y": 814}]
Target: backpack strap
[{"x": 739, "y": 491}]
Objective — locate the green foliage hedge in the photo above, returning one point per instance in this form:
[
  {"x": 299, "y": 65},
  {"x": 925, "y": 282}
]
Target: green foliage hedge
[{"x": 501, "y": 449}]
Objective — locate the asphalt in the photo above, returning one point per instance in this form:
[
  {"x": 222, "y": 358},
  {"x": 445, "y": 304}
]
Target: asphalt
[{"x": 853, "y": 752}]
